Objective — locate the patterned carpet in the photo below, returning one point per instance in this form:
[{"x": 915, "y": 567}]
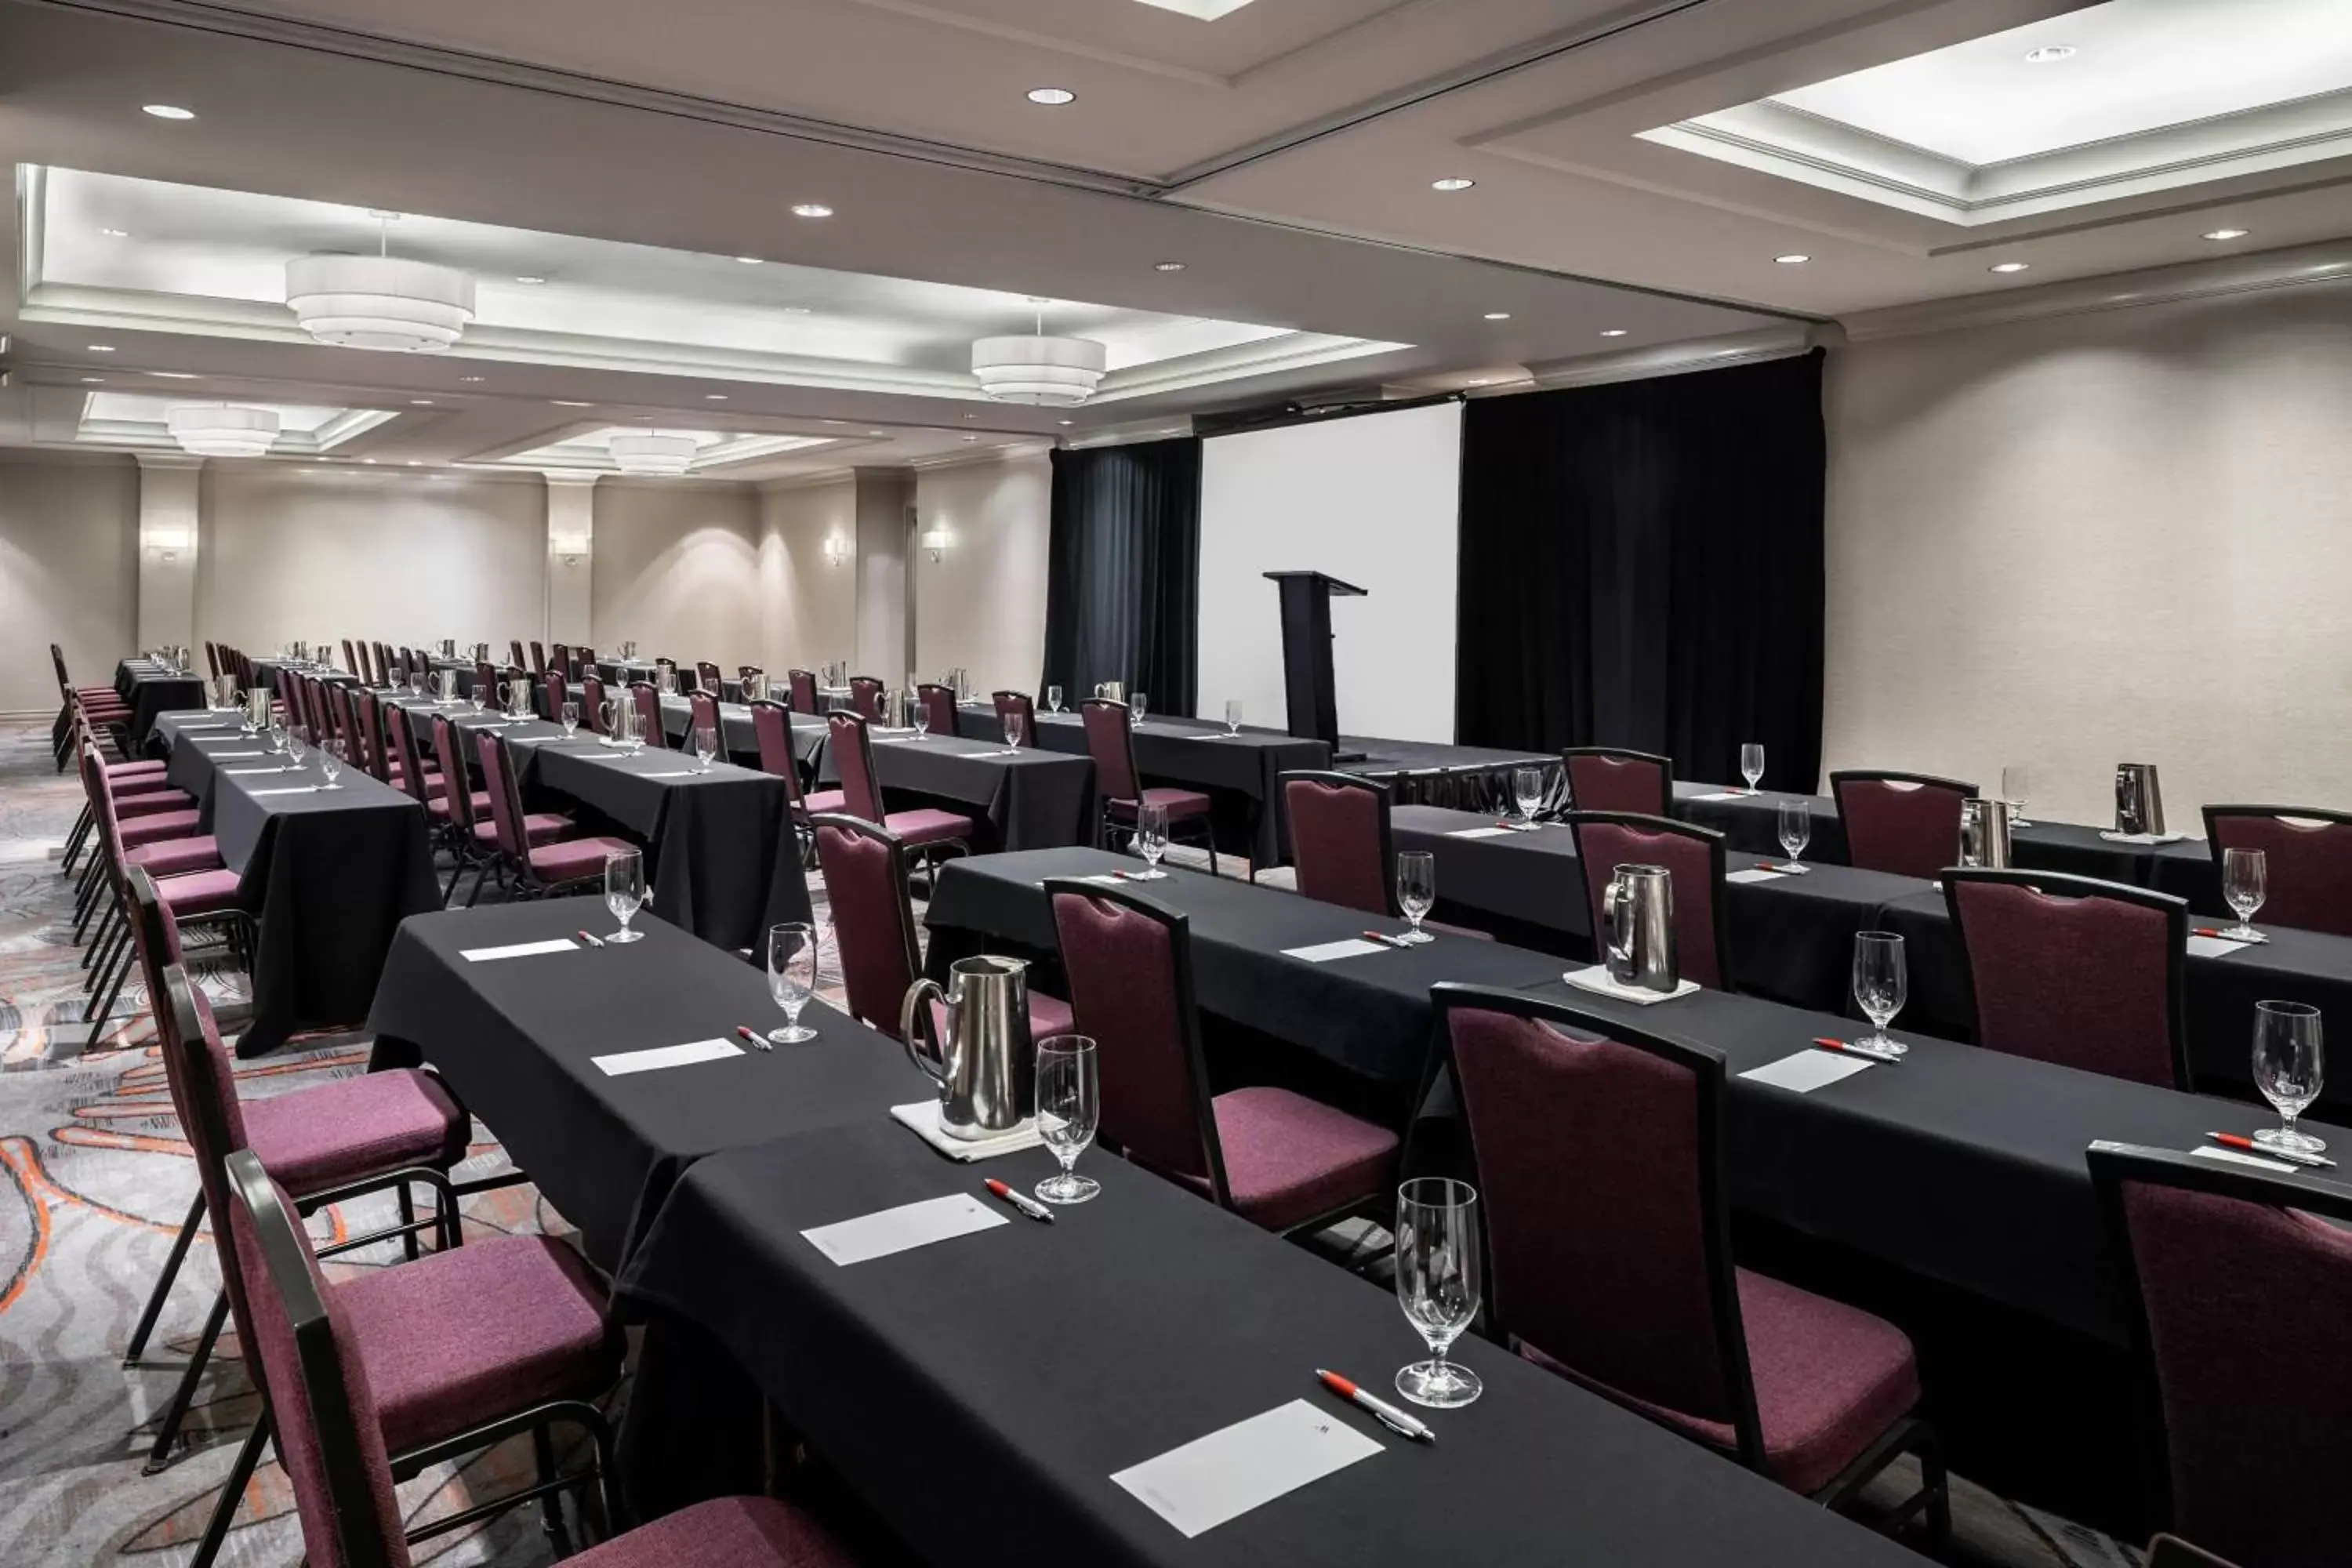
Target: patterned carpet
[{"x": 98, "y": 1181}]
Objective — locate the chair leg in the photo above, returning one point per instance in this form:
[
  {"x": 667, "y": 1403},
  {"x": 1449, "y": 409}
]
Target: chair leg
[
  {"x": 408, "y": 1222},
  {"x": 542, "y": 1449},
  {"x": 159, "y": 1456},
  {"x": 164, "y": 1284},
  {"x": 231, "y": 1493}
]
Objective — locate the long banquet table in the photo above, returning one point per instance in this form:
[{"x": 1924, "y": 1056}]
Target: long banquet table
[{"x": 150, "y": 691}]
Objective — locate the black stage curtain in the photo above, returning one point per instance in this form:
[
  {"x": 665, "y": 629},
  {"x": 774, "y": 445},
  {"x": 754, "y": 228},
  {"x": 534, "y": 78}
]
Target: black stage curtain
[
  {"x": 1640, "y": 566},
  {"x": 1123, "y": 577}
]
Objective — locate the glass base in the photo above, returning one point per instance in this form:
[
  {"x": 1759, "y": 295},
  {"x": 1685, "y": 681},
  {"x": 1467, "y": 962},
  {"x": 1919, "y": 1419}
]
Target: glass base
[
  {"x": 1440, "y": 1384},
  {"x": 2242, "y": 931},
  {"x": 624, "y": 934},
  {"x": 330, "y": 787},
  {"x": 1415, "y": 937},
  {"x": 2293, "y": 1141},
  {"x": 792, "y": 1035},
  {"x": 1883, "y": 1044},
  {"x": 1069, "y": 1187},
  {"x": 1152, "y": 873}
]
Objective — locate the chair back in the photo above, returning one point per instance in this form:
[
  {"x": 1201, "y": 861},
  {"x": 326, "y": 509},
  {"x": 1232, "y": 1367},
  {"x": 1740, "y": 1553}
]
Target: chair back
[
  {"x": 402, "y": 739},
  {"x": 771, "y": 726},
  {"x": 1016, "y": 705},
  {"x": 486, "y": 683},
  {"x": 2307, "y": 860},
  {"x": 592, "y": 702},
  {"x": 649, "y": 713},
  {"x": 853, "y": 759},
  {"x": 1340, "y": 841},
  {"x": 340, "y": 721},
  {"x": 865, "y": 870},
  {"x": 369, "y": 713},
  {"x": 1110, "y": 741},
  {"x": 538, "y": 664},
  {"x": 803, "y": 685},
  {"x": 351, "y": 660},
  {"x": 457, "y": 787},
  {"x": 707, "y": 677},
  {"x": 1692, "y": 857},
  {"x": 211, "y": 659},
  {"x": 514, "y": 652},
  {"x": 1599, "y": 1150},
  {"x": 866, "y": 697},
  {"x": 505, "y": 796},
  {"x": 2240, "y": 1283},
  {"x": 559, "y": 691},
  {"x": 1604, "y": 778},
  {"x": 1129, "y": 963},
  {"x": 2075, "y": 971},
  {"x": 1905, "y": 824},
  {"x": 939, "y": 707},
  {"x": 703, "y": 708},
  {"x": 560, "y": 660}
]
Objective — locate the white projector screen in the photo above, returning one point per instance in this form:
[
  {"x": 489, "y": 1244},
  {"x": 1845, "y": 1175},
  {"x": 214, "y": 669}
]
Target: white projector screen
[{"x": 1371, "y": 498}]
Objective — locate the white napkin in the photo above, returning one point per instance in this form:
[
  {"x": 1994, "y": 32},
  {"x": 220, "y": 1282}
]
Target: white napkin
[
  {"x": 899, "y": 1229},
  {"x": 2215, "y": 947},
  {"x": 1809, "y": 1070},
  {"x": 1224, "y": 1475},
  {"x": 923, "y": 1119},
  {"x": 518, "y": 949},
  {"x": 1479, "y": 833},
  {"x": 288, "y": 789},
  {"x": 1325, "y": 953},
  {"x": 1753, "y": 874},
  {"x": 2112, "y": 836},
  {"x": 617, "y": 1063},
  {"x": 223, "y": 756},
  {"x": 1723, "y": 794},
  {"x": 2235, "y": 1158},
  {"x": 1596, "y": 979}
]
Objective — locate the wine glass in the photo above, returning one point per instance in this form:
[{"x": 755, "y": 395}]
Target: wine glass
[
  {"x": 1752, "y": 763},
  {"x": 1069, "y": 1103},
  {"x": 1417, "y": 890},
  {"x": 1528, "y": 791},
  {"x": 2016, "y": 783},
  {"x": 1151, "y": 838},
  {"x": 478, "y": 696},
  {"x": 1012, "y": 732},
  {"x": 1795, "y": 828},
  {"x": 1437, "y": 1284},
  {"x": 1881, "y": 985},
  {"x": 331, "y": 761},
  {"x": 298, "y": 741},
  {"x": 706, "y": 746},
  {"x": 625, "y": 892},
  {"x": 2287, "y": 1069},
  {"x": 1233, "y": 716},
  {"x": 1140, "y": 704},
  {"x": 922, "y": 717},
  {"x": 792, "y": 978},
  {"x": 569, "y": 716},
  {"x": 1054, "y": 699},
  {"x": 276, "y": 732},
  {"x": 2245, "y": 876}
]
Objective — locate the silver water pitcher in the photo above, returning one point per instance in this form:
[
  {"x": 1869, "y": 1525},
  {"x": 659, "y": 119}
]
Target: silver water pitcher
[
  {"x": 1984, "y": 833},
  {"x": 519, "y": 697},
  {"x": 1112, "y": 691},
  {"x": 2139, "y": 803},
  {"x": 1637, "y": 912},
  {"x": 984, "y": 1065},
  {"x": 447, "y": 682},
  {"x": 256, "y": 712}
]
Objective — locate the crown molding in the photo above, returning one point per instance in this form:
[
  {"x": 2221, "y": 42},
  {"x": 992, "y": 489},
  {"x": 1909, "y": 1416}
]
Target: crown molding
[
  {"x": 844, "y": 475},
  {"x": 1673, "y": 359},
  {"x": 1013, "y": 453}
]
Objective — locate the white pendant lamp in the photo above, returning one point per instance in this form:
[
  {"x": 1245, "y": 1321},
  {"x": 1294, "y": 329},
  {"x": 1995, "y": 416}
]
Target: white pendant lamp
[
  {"x": 222, "y": 429},
  {"x": 379, "y": 301},
  {"x": 1054, "y": 372},
  {"x": 652, "y": 452}
]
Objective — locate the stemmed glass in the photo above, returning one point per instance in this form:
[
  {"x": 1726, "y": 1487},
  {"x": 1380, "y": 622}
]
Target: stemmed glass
[
  {"x": 1526, "y": 791},
  {"x": 1054, "y": 699},
  {"x": 625, "y": 892},
  {"x": 922, "y": 717},
  {"x": 2287, "y": 1069},
  {"x": 1151, "y": 838},
  {"x": 2245, "y": 876},
  {"x": 1796, "y": 829},
  {"x": 2016, "y": 783},
  {"x": 1881, "y": 985},
  {"x": 1417, "y": 890},
  {"x": 1437, "y": 1285},
  {"x": 568, "y": 716},
  {"x": 478, "y": 696},
  {"x": 1069, "y": 1103},
  {"x": 1233, "y": 716},
  {"x": 792, "y": 978},
  {"x": 1752, "y": 763},
  {"x": 1140, "y": 704},
  {"x": 706, "y": 746},
  {"x": 298, "y": 741},
  {"x": 331, "y": 761},
  {"x": 1013, "y": 731},
  {"x": 277, "y": 734}
]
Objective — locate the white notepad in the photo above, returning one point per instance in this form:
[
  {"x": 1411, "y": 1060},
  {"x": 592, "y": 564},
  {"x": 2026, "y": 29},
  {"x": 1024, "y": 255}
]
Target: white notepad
[
  {"x": 2215, "y": 946},
  {"x": 1325, "y": 951},
  {"x": 923, "y": 1118},
  {"x": 909, "y": 1226},
  {"x": 2112, "y": 836},
  {"x": 2256, "y": 1160},
  {"x": 1723, "y": 794},
  {"x": 1809, "y": 1070},
  {"x": 1479, "y": 833},
  {"x": 1753, "y": 874},
  {"x": 249, "y": 772},
  {"x": 1227, "y": 1473},
  {"x": 224, "y": 756},
  {"x": 287, "y": 789},
  {"x": 518, "y": 949},
  {"x": 619, "y": 1062},
  {"x": 1597, "y": 979}
]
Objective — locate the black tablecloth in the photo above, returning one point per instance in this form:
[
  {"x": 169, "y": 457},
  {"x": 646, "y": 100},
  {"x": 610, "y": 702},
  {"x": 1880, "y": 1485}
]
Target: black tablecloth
[
  {"x": 515, "y": 1037},
  {"x": 1238, "y": 773},
  {"x": 149, "y": 692},
  {"x": 980, "y": 1393},
  {"x": 193, "y": 743},
  {"x": 1028, "y": 799}
]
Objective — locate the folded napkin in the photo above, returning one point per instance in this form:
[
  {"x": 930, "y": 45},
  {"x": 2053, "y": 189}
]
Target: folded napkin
[
  {"x": 922, "y": 1118},
  {"x": 2112, "y": 836},
  {"x": 1597, "y": 980}
]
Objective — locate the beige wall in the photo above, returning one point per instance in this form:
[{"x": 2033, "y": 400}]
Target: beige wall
[
  {"x": 2118, "y": 536},
  {"x": 68, "y": 574},
  {"x": 808, "y": 603},
  {"x": 983, "y": 605},
  {"x": 677, "y": 570},
  {"x": 287, "y": 553}
]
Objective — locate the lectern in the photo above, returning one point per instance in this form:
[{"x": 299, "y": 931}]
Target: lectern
[{"x": 1307, "y": 653}]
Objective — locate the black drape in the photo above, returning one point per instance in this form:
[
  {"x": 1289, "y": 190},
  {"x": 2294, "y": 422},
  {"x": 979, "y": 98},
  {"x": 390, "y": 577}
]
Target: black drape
[
  {"x": 1123, "y": 577},
  {"x": 1640, "y": 566}
]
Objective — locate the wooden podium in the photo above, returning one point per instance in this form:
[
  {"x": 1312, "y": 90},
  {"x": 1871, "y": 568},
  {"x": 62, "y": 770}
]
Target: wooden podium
[{"x": 1307, "y": 653}]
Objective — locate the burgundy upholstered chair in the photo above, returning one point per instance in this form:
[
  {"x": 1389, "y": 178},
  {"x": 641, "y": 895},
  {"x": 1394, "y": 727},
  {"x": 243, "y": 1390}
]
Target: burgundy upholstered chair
[
  {"x": 649, "y": 713},
  {"x": 864, "y": 871},
  {"x": 772, "y": 725},
  {"x": 1602, "y": 778},
  {"x": 1016, "y": 705},
  {"x": 2239, "y": 1284},
  {"x": 702, "y": 708},
  {"x": 408, "y": 770},
  {"x": 535, "y": 846},
  {"x": 1340, "y": 844},
  {"x": 191, "y": 883},
  {"x": 514, "y": 653},
  {"x": 803, "y": 689},
  {"x": 866, "y": 699},
  {"x": 486, "y": 684},
  {"x": 1278, "y": 1159},
  {"x": 927, "y": 828},
  {"x": 462, "y": 811},
  {"x": 1110, "y": 741},
  {"x": 351, "y": 660},
  {"x": 939, "y": 707},
  {"x": 561, "y": 662},
  {"x": 706, "y": 678},
  {"x": 591, "y": 703},
  {"x": 2075, "y": 971},
  {"x": 1692, "y": 856},
  {"x": 558, "y": 692},
  {"x": 1600, "y": 1163},
  {"x": 1905, "y": 824},
  {"x": 537, "y": 659},
  {"x": 2307, "y": 860}
]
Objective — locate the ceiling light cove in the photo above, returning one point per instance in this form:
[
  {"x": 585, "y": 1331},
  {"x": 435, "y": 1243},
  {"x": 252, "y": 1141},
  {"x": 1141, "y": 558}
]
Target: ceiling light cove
[
  {"x": 751, "y": 260},
  {"x": 222, "y": 430},
  {"x": 654, "y": 453},
  {"x": 138, "y": 421},
  {"x": 1052, "y": 97},
  {"x": 382, "y": 302}
]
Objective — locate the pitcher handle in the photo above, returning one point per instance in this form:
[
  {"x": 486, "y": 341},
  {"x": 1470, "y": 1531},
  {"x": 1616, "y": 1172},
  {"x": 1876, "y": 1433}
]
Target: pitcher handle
[
  {"x": 910, "y": 1013},
  {"x": 1613, "y": 900}
]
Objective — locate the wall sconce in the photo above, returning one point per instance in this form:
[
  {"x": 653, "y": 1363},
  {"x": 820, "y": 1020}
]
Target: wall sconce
[
  {"x": 569, "y": 550},
  {"x": 168, "y": 541},
  {"x": 937, "y": 539},
  {"x": 836, "y": 550}
]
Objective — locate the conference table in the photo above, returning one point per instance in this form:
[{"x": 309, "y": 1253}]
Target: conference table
[
  {"x": 267, "y": 671},
  {"x": 149, "y": 690},
  {"x": 1033, "y": 1361},
  {"x": 327, "y": 875}
]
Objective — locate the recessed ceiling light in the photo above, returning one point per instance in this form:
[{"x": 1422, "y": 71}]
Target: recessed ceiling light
[
  {"x": 420, "y": 403},
  {"x": 116, "y": 233},
  {"x": 414, "y": 464},
  {"x": 93, "y": 381},
  {"x": 714, "y": 397},
  {"x": 2227, "y": 233},
  {"x": 101, "y": 348},
  {"x": 1454, "y": 184},
  {"x": 836, "y": 422},
  {"x": 2049, "y": 54},
  {"x": 1612, "y": 332},
  {"x": 167, "y": 111},
  {"x": 1066, "y": 422},
  {"x": 567, "y": 403},
  {"x": 971, "y": 437},
  {"x": 1793, "y": 259},
  {"x": 796, "y": 309},
  {"x": 1168, "y": 267},
  {"x": 812, "y": 209},
  {"x": 369, "y": 461},
  {"x": 876, "y": 432},
  {"x": 1482, "y": 381},
  {"x": 751, "y": 260},
  {"x": 2010, "y": 265},
  {"x": 469, "y": 378},
  {"x": 174, "y": 375},
  {"x": 527, "y": 278},
  {"x": 972, "y": 415},
  {"x": 1499, "y": 315},
  {"x": 1052, "y": 97}
]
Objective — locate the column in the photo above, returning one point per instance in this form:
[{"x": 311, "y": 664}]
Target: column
[
  {"x": 570, "y": 548},
  {"x": 168, "y": 541},
  {"x": 886, "y": 534}
]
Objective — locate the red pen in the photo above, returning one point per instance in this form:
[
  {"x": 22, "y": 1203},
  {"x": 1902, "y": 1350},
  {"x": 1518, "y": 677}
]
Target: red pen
[
  {"x": 1388, "y": 1415},
  {"x": 591, "y": 941},
  {"x": 752, "y": 1038},
  {"x": 1021, "y": 1201},
  {"x": 2291, "y": 1156},
  {"x": 1828, "y": 1044},
  {"x": 1383, "y": 938}
]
